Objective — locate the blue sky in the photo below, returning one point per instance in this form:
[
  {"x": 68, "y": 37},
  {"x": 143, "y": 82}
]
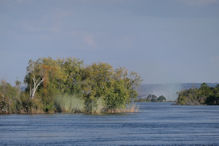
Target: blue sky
[{"x": 167, "y": 41}]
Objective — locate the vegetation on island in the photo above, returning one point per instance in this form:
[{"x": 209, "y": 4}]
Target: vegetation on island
[
  {"x": 67, "y": 85},
  {"x": 151, "y": 98},
  {"x": 196, "y": 96}
]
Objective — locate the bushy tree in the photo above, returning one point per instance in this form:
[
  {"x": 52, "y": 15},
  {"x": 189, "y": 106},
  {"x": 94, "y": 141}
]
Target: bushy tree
[
  {"x": 161, "y": 99},
  {"x": 44, "y": 75},
  {"x": 203, "y": 95},
  {"x": 9, "y": 97}
]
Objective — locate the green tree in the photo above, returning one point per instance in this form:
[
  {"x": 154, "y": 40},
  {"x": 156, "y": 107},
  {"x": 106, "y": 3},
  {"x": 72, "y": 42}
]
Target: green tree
[
  {"x": 161, "y": 99},
  {"x": 9, "y": 97},
  {"x": 203, "y": 95}
]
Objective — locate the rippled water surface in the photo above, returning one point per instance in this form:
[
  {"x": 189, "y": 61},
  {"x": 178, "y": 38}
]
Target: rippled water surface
[{"x": 154, "y": 124}]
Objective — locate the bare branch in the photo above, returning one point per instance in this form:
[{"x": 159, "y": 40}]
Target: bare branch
[{"x": 36, "y": 85}]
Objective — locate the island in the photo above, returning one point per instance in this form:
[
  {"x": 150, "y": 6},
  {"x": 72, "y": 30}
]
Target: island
[
  {"x": 151, "y": 98},
  {"x": 68, "y": 85},
  {"x": 204, "y": 95}
]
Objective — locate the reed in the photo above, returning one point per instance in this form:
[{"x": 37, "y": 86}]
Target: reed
[{"x": 69, "y": 104}]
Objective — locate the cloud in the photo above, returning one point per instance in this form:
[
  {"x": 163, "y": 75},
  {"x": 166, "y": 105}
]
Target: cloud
[
  {"x": 199, "y": 2},
  {"x": 89, "y": 40}
]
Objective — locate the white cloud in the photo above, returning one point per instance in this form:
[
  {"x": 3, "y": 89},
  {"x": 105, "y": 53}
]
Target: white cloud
[{"x": 89, "y": 40}]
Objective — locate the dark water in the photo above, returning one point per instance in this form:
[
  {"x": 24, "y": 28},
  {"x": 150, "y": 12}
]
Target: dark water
[{"x": 155, "y": 124}]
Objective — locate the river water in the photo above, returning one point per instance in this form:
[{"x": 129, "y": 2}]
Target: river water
[{"x": 154, "y": 124}]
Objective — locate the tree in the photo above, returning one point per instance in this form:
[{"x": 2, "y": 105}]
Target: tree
[
  {"x": 203, "y": 95},
  {"x": 34, "y": 77},
  {"x": 73, "y": 68},
  {"x": 42, "y": 71},
  {"x": 161, "y": 99},
  {"x": 8, "y": 97},
  {"x": 151, "y": 98}
]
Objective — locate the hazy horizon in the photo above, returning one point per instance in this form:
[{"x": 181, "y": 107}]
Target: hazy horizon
[{"x": 172, "y": 41}]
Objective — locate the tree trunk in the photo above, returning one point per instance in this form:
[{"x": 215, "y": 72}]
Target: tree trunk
[{"x": 36, "y": 84}]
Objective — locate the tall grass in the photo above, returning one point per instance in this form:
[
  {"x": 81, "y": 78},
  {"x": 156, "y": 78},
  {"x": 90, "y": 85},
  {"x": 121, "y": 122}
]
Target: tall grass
[
  {"x": 94, "y": 106},
  {"x": 69, "y": 104},
  {"x": 99, "y": 106}
]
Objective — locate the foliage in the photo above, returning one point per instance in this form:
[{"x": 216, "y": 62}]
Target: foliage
[
  {"x": 115, "y": 87},
  {"x": 67, "y": 85},
  {"x": 152, "y": 98},
  {"x": 8, "y": 98},
  {"x": 161, "y": 99},
  {"x": 203, "y": 95}
]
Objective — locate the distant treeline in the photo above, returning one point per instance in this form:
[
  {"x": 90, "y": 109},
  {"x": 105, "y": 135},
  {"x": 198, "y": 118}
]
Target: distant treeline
[
  {"x": 203, "y": 95},
  {"x": 151, "y": 98},
  {"x": 67, "y": 85}
]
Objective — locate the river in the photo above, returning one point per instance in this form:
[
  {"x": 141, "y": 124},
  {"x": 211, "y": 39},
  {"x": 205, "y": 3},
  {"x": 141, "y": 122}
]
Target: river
[{"x": 154, "y": 124}]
